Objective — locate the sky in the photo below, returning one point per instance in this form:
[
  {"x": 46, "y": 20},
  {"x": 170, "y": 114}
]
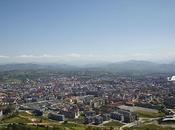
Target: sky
[{"x": 86, "y": 30}]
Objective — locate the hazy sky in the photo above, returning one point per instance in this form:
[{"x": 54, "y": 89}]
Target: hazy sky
[{"x": 86, "y": 30}]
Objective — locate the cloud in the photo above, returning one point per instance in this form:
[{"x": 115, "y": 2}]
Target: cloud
[
  {"x": 50, "y": 56},
  {"x": 73, "y": 55},
  {"x": 26, "y": 56},
  {"x": 113, "y": 57},
  {"x": 67, "y": 56},
  {"x": 3, "y": 56},
  {"x": 38, "y": 56}
]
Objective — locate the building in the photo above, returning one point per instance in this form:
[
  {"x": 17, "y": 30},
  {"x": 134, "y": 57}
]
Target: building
[
  {"x": 124, "y": 116},
  {"x": 172, "y": 79},
  {"x": 70, "y": 114},
  {"x": 71, "y": 111},
  {"x": 37, "y": 112},
  {"x": 98, "y": 120},
  {"x": 105, "y": 117},
  {"x": 169, "y": 118},
  {"x": 90, "y": 113},
  {"x": 88, "y": 120},
  {"x": 97, "y": 102},
  {"x": 169, "y": 102},
  {"x": 57, "y": 117},
  {"x": 117, "y": 116},
  {"x": 128, "y": 116}
]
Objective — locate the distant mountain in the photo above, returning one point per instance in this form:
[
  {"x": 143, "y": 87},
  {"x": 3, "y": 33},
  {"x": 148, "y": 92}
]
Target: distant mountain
[
  {"x": 173, "y": 63},
  {"x": 128, "y": 66},
  {"x": 9, "y": 67},
  {"x": 139, "y": 66},
  {"x": 29, "y": 66}
]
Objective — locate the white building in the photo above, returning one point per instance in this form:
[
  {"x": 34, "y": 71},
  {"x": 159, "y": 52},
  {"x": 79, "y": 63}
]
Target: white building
[{"x": 172, "y": 79}]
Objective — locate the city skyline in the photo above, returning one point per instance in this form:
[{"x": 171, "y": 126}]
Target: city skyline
[{"x": 91, "y": 31}]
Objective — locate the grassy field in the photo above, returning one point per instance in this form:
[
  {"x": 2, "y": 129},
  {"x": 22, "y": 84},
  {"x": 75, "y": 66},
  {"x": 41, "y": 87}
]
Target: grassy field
[
  {"x": 73, "y": 126},
  {"x": 147, "y": 114},
  {"x": 67, "y": 126},
  {"x": 26, "y": 121},
  {"x": 150, "y": 127},
  {"x": 24, "y": 117},
  {"x": 113, "y": 124}
]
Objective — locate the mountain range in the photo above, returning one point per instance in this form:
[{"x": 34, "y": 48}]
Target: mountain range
[{"x": 127, "y": 66}]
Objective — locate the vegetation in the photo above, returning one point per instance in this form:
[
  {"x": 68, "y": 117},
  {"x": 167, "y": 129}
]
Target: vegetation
[
  {"x": 24, "y": 117},
  {"x": 149, "y": 127},
  {"x": 147, "y": 114},
  {"x": 9, "y": 109},
  {"x": 67, "y": 126},
  {"x": 113, "y": 124},
  {"x": 27, "y": 121}
]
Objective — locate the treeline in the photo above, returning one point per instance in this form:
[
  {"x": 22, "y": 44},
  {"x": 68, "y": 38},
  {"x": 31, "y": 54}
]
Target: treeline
[
  {"x": 27, "y": 127},
  {"x": 42, "y": 127}
]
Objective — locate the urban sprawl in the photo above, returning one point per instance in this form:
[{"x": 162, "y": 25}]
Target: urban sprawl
[{"x": 93, "y": 98}]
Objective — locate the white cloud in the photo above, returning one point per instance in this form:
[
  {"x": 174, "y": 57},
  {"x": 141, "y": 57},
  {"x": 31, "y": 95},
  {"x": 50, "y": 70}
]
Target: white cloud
[
  {"x": 73, "y": 55},
  {"x": 38, "y": 56},
  {"x": 113, "y": 57},
  {"x": 26, "y": 56},
  {"x": 50, "y": 56},
  {"x": 3, "y": 56}
]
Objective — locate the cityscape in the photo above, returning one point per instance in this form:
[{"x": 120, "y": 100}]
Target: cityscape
[{"x": 87, "y": 65}]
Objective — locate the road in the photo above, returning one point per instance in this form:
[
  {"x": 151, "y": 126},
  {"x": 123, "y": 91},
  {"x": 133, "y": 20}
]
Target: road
[{"x": 139, "y": 122}]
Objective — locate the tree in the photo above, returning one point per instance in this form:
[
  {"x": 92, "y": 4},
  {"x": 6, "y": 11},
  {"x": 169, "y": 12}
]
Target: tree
[
  {"x": 111, "y": 128},
  {"x": 9, "y": 109}
]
